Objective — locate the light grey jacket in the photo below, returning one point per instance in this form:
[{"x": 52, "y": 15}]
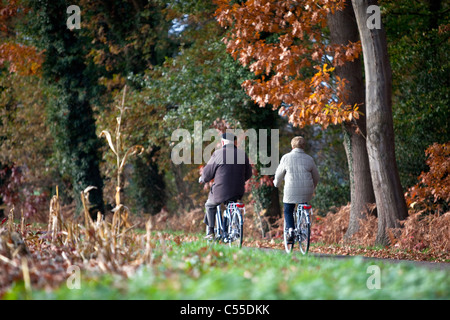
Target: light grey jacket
[{"x": 300, "y": 174}]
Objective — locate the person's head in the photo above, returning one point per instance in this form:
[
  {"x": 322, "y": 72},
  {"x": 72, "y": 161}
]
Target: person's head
[
  {"x": 228, "y": 138},
  {"x": 298, "y": 142}
]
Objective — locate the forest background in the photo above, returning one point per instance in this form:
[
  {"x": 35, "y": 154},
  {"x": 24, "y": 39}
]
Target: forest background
[{"x": 180, "y": 63}]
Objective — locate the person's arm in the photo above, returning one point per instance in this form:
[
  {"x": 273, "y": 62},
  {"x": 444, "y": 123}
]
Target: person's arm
[
  {"x": 209, "y": 171},
  {"x": 280, "y": 173}
]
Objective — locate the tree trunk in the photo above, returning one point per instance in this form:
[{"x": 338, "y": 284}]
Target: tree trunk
[
  {"x": 389, "y": 197},
  {"x": 343, "y": 28}
]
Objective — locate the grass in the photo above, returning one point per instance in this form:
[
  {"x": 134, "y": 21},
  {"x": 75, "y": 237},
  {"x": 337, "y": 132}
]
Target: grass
[{"x": 198, "y": 271}]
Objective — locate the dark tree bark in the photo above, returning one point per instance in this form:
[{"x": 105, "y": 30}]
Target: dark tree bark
[
  {"x": 391, "y": 206},
  {"x": 343, "y": 28},
  {"x": 70, "y": 115}
]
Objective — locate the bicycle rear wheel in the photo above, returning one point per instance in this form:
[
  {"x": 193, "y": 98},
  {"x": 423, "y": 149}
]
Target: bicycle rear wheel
[
  {"x": 304, "y": 231},
  {"x": 288, "y": 246},
  {"x": 236, "y": 229}
]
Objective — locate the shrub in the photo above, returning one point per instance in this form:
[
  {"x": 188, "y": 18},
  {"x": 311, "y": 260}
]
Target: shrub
[
  {"x": 432, "y": 193},
  {"x": 426, "y": 232}
]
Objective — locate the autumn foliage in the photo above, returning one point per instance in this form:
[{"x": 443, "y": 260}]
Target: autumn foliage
[
  {"x": 426, "y": 231},
  {"x": 422, "y": 236},
  {"x": 20, "y": 59},
  {"x": 432, "y": 193},
  {"x": 283, "y": 43},
  {"x": 15, "y": 55}
]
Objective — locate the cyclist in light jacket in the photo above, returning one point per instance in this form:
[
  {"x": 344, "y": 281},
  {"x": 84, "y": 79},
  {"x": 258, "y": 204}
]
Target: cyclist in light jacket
[{"x": 301, "y": 177}]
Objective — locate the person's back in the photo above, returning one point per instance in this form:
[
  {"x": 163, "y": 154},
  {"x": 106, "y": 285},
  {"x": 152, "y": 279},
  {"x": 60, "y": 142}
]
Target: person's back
[
  {"x": 230, "y": 168},
  {"x": 300, "y": 174}
]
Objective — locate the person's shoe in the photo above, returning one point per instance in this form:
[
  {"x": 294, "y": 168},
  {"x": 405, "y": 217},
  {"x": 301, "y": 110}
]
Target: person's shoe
[
  {"x": 209, "y": 233},
  {"x": 290, "y": 237}
]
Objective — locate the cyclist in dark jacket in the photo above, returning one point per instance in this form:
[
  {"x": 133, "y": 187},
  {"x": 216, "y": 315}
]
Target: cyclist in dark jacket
[{"x": 230, "y": 168}]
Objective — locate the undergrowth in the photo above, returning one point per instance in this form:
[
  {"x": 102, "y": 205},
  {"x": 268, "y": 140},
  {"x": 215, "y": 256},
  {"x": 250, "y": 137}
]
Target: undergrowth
[
  {"x": 424, "y": 236},
  {"x": 198, "y": 271},
  {"x": 36, "y": 260}
]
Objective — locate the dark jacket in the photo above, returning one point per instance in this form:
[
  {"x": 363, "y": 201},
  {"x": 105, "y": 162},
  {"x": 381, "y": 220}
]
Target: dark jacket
[{"x": 230, "y": 168}]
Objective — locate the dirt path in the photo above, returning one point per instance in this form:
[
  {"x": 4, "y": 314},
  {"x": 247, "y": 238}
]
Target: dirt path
[{"x": 424, "y": 264}]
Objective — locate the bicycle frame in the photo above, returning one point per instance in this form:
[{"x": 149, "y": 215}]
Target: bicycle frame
[
  {"x": 302, "y": 228},
  {"x": 221, "y": 232},
  {"x": 307, "y": 209}
]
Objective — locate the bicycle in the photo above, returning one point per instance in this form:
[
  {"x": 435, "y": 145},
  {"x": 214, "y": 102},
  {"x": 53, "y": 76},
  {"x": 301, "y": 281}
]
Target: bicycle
[
  {"x": 302, "y": 229},
  {"x": 230, "y": 229}
]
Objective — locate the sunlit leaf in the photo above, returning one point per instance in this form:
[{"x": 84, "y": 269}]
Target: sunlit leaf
[{"x": 110, "y": 142}]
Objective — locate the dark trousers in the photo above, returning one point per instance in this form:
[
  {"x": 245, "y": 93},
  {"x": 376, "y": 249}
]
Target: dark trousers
[
  {"x": 210, "y": 214},
  {"x": 289, "y": 214}
]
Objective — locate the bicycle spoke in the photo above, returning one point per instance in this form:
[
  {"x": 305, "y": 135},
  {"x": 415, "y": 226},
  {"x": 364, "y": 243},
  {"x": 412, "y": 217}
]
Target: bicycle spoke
[
  {"x": 304, "y": 232},
  {"x": 236, "y": 230}
]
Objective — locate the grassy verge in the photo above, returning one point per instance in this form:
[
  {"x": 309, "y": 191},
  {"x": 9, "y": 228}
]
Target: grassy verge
[{"x": 196, "y": 270}]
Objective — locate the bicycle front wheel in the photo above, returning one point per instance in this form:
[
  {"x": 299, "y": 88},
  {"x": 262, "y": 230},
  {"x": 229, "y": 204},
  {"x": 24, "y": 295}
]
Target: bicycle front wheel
[
  {"x": 304, "y": 232},
  {"x": 236, "y": 230},
  {"x": 288, "y": 245}
]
